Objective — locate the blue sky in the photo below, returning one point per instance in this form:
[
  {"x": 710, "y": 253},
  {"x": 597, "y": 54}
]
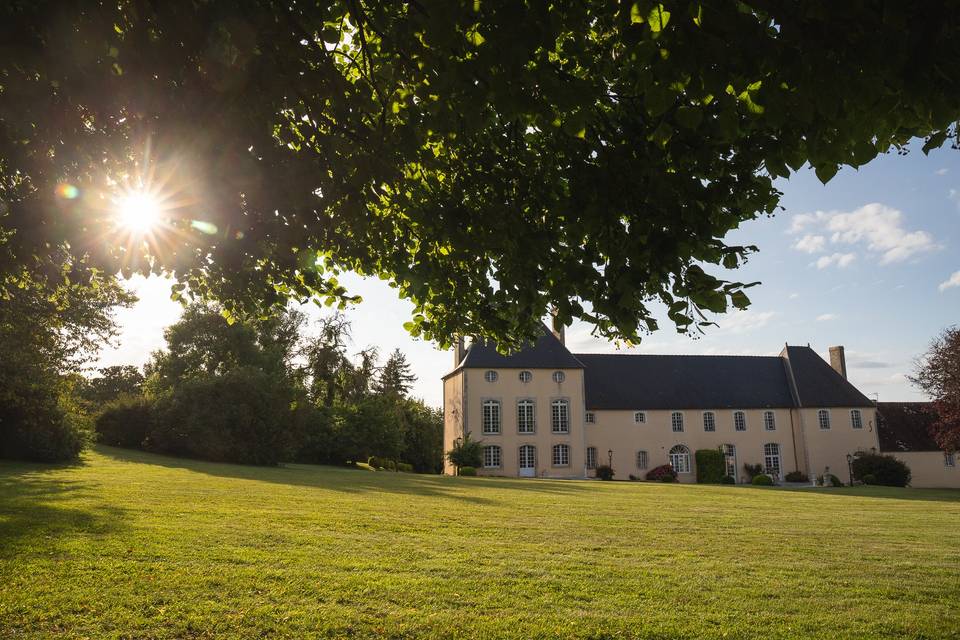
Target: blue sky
[{"x": 865, "y": 262}]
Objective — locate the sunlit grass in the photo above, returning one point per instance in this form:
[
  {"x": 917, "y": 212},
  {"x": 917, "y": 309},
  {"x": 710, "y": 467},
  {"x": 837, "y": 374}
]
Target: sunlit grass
[{"x": 133, "y": 545}]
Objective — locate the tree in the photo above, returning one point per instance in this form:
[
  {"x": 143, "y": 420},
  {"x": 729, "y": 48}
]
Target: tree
[
  {"x": 466, "y": 452},
  {"x": 489, "y": 159},
  {"x": 938, "y": 374},
  {"x": 395, "y": 377},
  {"x": 111, "y": 383},
  {"x": 422, "y": 429}
]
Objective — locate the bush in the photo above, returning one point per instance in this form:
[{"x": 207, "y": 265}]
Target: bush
[
  {"x": 796, "y": 476},
  {"x": 668, "y": 479},
  {"x": 382, "y": 463},
  {"x": 833, "y": 480},
  {"x": 604, "y": 472},
  {"x": 404, "y": 467},
  {"x": 125, "y": 422},
  {"x": 869, "y": 479},
  {"x": 762, "y": 480},
  {"x": 466, "y": 453},
  {"x": 658, "y": 473},
  {"x": 728, "y": 480},
  {"x": 886, "y": 470},
  {"x": 710, "y": 466},
  {"x": 633, "y": 478},
  {"x": 39, "y": 422},
  {"x": 468, "y": 471},
  {"x": 753, "y": 470}
]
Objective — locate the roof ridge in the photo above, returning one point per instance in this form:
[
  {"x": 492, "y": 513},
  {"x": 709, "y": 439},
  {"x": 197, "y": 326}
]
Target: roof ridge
[{"x": 677, "y": 355}]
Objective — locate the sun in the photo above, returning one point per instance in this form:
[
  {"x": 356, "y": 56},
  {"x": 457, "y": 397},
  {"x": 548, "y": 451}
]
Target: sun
[{"x": 138, "y": 212}]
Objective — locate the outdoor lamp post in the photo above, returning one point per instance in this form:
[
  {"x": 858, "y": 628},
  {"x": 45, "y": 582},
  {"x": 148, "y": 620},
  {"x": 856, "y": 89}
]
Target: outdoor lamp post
[
  {"x": 610, "y": 458},
  {"x": 850, "y": 467}
]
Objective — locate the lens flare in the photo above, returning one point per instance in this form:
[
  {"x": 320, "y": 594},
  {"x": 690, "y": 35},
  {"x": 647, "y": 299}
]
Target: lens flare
[
  {"x": 67, "y": 191},
  {"x": 138, "y": 212}
]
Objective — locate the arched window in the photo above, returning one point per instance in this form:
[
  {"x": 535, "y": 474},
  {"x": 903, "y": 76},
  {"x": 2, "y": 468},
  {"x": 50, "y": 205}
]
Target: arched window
[
  {"x": 560, "y": 416},
  {"x": 526, "y": 416},
  {"x": 642, "y": 461},
  {"x": 680, "y": 459},
  {"x": 769, "y": 421},
  {"x": 526, "y": 376},
  {"x": 771, "y": 459},
  {"x": 591, "y": 457},
  {"x": 709, "y": 421},
  {"x": 490, "y": 376},
  {"x": 561, "y": 455},
  {"x": 491, "y": 457},
  {"x": 491, "y": 416},
  {"x": 823, "y": 418},
  {"x": 739, "y": 421},
  {"x": 856, "y": 419},
  {"x": 676, "y": 421},
  {"x": 528, "y": 459},
  {"x": 559, "y": 376}
]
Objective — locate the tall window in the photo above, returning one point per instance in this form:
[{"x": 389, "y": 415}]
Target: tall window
[
  {"x": 526, "y": 376},
  {"x": 491, "y": 416},
  {"x": 730, "y": 460},
  {"x": 769, "y": 421},
  {"x": 561, "y": 455},
  {"x": 591, "y": 457},
  {"x": 528, "y": 456},
  {"x": 680, "y": 459},
  {"x": 559, "y": 376},
  {"x": 709, "y": 421},
  {"x": 676, "y": 421},
  {"x": 491, "y": 457},
  {"x": 642, "y": 460},
  {"x": 739, "y": 421},
  {"x": 823, "y": 418},
  {"x": 771, "y": 459},
  {"x": 856, "y": 419},
  {"x": 526, "y": 416},
  {"x": 639, "y": 417},
  {"x": 490, "y": 376},
  {"x": 590, "y": 417},
  {"x": 948, "y": 459},
  {"x": 560, "y": 416}
]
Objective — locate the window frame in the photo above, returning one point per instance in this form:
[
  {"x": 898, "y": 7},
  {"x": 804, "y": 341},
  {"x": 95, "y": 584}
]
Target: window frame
[
  {"x": 856, "y": 419},
  {"x": 555, "y": 449},
  {"x": 767, "y": 456},
  {"x": 554, "y": 404},
  {"x": 949, "y": 460},
  {"x": 712, "y": 422},
  {"x": 821, "y": 414},
  {"x": 683, "y": 455},
  {"x": 525, "y": 374},
  {"x": 644, "y": 458},
  {"x": 558, "y": 376},
  {"x": 639, "y": 417},
  {"x": 770, "y": 425},
  {"x": 533, "y": 415},
  {"x": 533, "y": 453},
  {"x": 742, "y": 415},
  {"x": 589, "y": 417},
  {"x": 491, "y": 402},
  {"x": 493, "y": 448},
  {"x": 674, "y": 422},
  {"x": 491, "y": 376},
  {"x": 591, "y": 453}
]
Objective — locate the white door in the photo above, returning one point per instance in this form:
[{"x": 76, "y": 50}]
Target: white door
[{"x": 528, "y": 461}]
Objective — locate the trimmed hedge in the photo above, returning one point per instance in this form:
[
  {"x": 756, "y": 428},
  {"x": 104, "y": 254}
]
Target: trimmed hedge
[
  {"x": 762, "y": 480},
  {"x": 886, "y": 470},
  {"x": 711, "y": 466},
  {"x": 468, "y": 471},
  {"x": 796, "y": 476}
]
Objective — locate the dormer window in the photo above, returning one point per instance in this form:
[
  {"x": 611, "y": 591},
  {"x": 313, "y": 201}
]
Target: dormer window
[
  {"x": 559, "y": 376},
  {"x": 490, "y": 376}
]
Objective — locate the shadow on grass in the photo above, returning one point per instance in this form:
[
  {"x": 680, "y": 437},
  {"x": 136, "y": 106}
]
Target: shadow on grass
[
  {"x": 350, "y": 480},
  {"x": 36, "y": 509},
  {"x": 896, "y": 493}
]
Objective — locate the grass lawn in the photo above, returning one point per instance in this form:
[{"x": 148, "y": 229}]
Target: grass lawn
[{"x": 128, "y": 544}]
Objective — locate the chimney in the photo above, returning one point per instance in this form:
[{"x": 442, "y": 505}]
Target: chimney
[
  {"x": 838, "y": 361},
  {"x": 557, "y": 328},
  {"x": 458, "y": 352}
]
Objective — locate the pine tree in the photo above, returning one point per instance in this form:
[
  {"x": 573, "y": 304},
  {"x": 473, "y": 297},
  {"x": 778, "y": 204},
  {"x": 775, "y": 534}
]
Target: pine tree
[{"x": 395, "y": 376}]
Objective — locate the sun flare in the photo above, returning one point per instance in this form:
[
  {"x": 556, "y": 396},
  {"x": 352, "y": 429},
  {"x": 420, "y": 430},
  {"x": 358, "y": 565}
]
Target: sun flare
[{"x": 138, "y": 211}]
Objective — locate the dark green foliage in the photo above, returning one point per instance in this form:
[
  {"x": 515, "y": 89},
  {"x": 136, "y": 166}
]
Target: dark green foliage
[
  {"x": 728, "y": 480},
  {"x": 796, "y": 476},
  {"x": 752, "y": 470},
  {"x": 886, "y": 470},
  {"x": 466, "y": 452},
  {"x": 125, "y": 422},
  {"x": 395, "y": 376},
  {"x": 711, "y": 466},
  {"x": 34, "y": 424},
  {"x": 762, "y": 480},
  {"x": 110, "y": 384},
  {"x": 661, "y": 472},
  {"x": 668, "y": 478},
  {"x": 467, "y": 471},
  {"x": 829, "y": 479},
  {"x": 240, "y": 416},
  {"x": 404, "y": 467},
  {"x": 604, "y": 472},
  {"x": 613, "y": 144},
  {"x": 869, "y": 479},
  {"x": 422, "y": 435}
]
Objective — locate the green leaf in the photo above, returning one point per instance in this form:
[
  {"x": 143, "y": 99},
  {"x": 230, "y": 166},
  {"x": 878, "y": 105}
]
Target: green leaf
[
  {"x": 689, "y": 117},
  {"x": 739, "y": 300},
  {"x": 636, "y": 16},
  {"x": 658, "y": 19},
  {"x": 826, "y": 171}
]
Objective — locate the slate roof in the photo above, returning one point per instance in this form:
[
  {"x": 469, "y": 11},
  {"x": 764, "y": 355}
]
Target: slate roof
[
  {"x": 905, "y": 426},
  {"x": 546, "y": 353},
  {"x": 818, "y": 384},
  {"x": 641, "y": 381}
]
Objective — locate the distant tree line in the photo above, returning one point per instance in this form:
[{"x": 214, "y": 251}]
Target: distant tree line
[{"x": 268, "y": 391}]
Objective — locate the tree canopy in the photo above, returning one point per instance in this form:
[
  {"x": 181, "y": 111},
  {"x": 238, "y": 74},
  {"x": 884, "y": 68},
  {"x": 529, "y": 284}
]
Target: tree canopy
[
  {"x": 489, "y": 159},
  {"x": 938, "y": 374}
]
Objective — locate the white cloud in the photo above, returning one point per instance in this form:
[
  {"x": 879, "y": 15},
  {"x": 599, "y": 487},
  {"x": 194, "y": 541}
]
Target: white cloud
[
  {"x": 794, "y": 296},
  {"x": 823, "y": 317},
  {"x": 875, "y": 225},
  {"x": 941, "y": 172},
  {"x": 952, "y": 281},
  {"x": 742, "y": 321},
  {"x": 839, "y": 259},
  {"x": 810, "y": 243}
]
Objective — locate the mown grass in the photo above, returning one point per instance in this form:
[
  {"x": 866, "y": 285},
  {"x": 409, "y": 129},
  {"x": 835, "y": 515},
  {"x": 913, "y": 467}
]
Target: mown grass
[{"x": 130, "y": 545}]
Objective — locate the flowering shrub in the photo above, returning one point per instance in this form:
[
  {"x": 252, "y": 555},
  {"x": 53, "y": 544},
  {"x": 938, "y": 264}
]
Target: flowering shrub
[{"x": 658, "y": 473}]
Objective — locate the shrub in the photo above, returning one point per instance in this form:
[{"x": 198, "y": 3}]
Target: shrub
[
  {"x": 762, "y": 480},
  {"x": 604, "y": 472},
  {"x": 710, "y": 466},
  {"x": 39, "y": 422},
  {"x": 378, "y": 462},
  {"x": 633, "y": 478},
  {"x": 728, "y": 480},
  {"x": 753, "y": 470},
  {"x": 886, "y": 470},
  {"x": 467, "y": 452},
  {"x": 404, "y": 467},
  {"x": 668, "y": 479},
  {"x": 833, "y": 480},
  {"x": 658, "y": 473},
  {"x": 468, "y": 471},
  {"x": 869, "y": 479},
  {"x": 796, "y": 476},
  {"x": 125, "y": 422}
]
